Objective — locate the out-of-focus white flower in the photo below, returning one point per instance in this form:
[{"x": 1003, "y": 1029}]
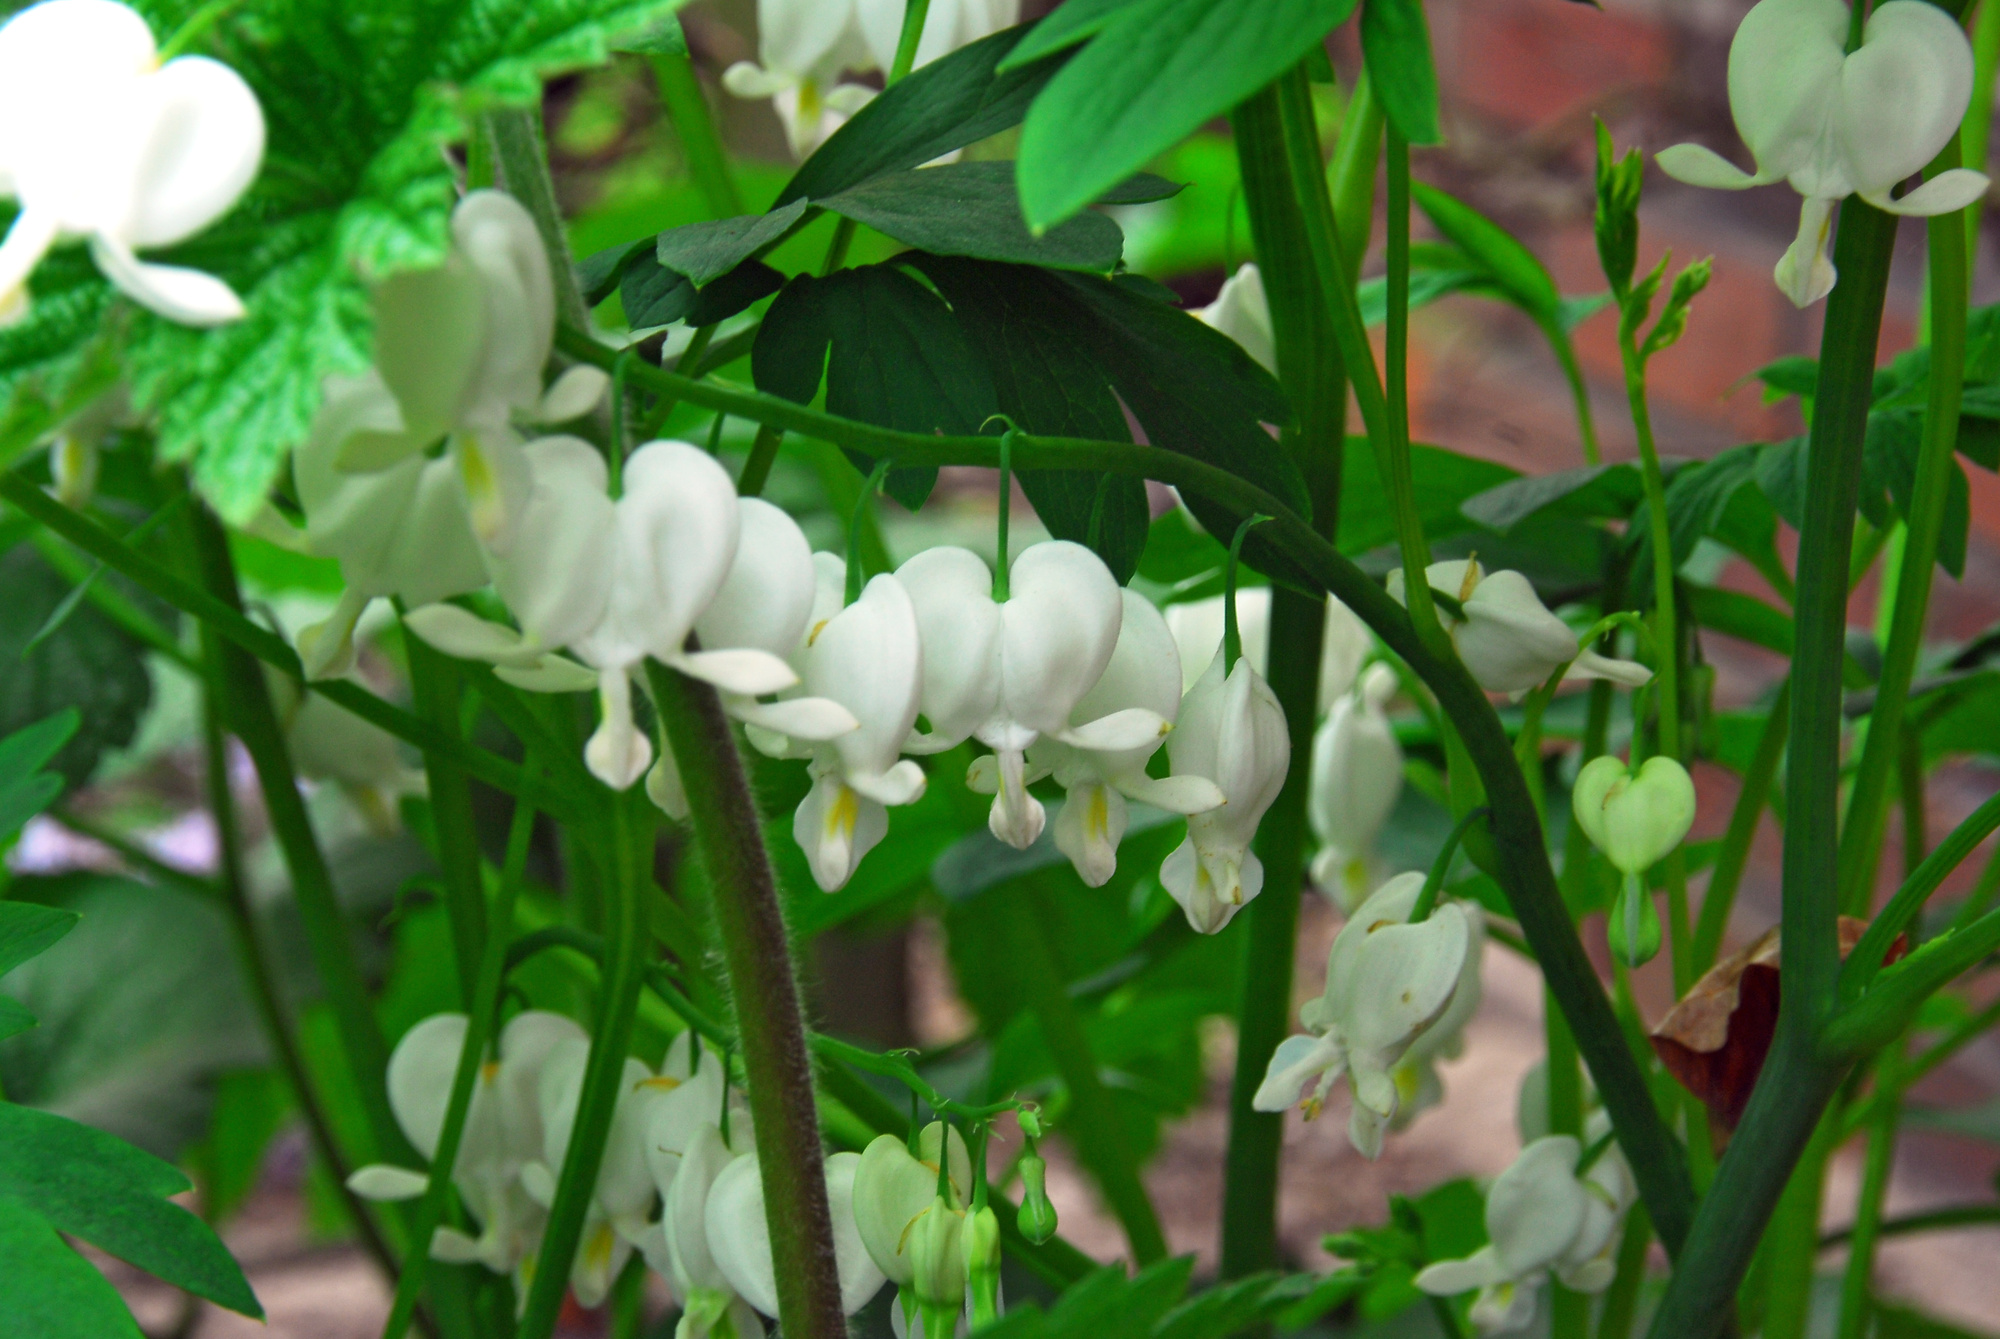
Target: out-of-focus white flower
[
  {"x": 503, "y": 1132},
  {"x": 1357, "y": 773},
  {"x": 1197, "y": 629},
  {"x": 739, "y": 1237},
  {"x": 1541, "y": 1219},
  {"x": 804, "y": 46},
  {"x": 710, "y": 1304},
  {"x": 328, "y": 742},
  {"x": 1010, "y": 673},
  {"x": 1836, "y": 124},
  {"x": 100, "y": 141},
  {"x": 1241, "y": 312},
  {"x": 949, "y": 25},
  {"x": 1387, "y": 983},
  {"x": 1144, "y": 671},
  {"x": 1508, "y": 638}
]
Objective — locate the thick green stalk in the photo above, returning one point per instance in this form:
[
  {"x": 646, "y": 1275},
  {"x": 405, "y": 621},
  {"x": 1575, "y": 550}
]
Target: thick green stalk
[
  {"x": 1791, "y": 1241},
  {"x": 757, "y": 466},
  {"x": 687, "y": 107},
  {"x": 1311, "y": 372},
  {"x": 1865, "y": 962},
  {"x": 915, "y": 12},
  {"x": 435, "y": 688},
  {"x": 1525, "y": 874},
  {"x": 1798, "y": 1078},
  {"x": 627, "y": 850},
  {"x": 1394, "y": 463},
  {"x": 1856, "y": 1288},
  {"x": 1569, "y": 1316},
  {"x": 770, "y": 1025},
  {"x": 1734, "y": 856},
  {"x": 1874, "y": 778},
  {"x": 247, "y": 703},
  {"x": 523, "y": 159},
  {"x": 1094, "y": 1123}
]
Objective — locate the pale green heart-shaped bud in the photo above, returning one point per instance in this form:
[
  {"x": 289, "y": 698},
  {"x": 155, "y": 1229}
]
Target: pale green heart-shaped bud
[{"x": 1634, "y": 819}]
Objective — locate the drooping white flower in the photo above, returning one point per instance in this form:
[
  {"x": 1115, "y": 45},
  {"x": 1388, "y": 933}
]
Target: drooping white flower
[
  {"x": 710, "y": 1304},
  {"x": 1357, "y": 775},
  {"x": 909, "y": 1227},
  {"x": 503, "y": 1132},
  {"x": 803, "y": 47},
  {"x": 1387, "y": 982},
  {"x": 1231, "y": 731},
  {"x": 1508, "y": 638},
  {"x": 100, "y": 141},
  {"x": 1010, "y": 673},
  {"x": 739, "y": 1237},
  {"x": 327, "y": 742},
  {"x": 1541, "y": 1219},
  {"x": 949, "y": 25},
  {"x": 1197, "y": 629},
  {"x": 1836, "y": 124},
  {"x": 1144, "y": 671},
  {"x": 1242, "y": 312}
]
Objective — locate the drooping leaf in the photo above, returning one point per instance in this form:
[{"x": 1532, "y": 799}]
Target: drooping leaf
[
  {"x": 87, "y": 664},
  {"x": 97, "y": 1187},
  {"x": 970, "y": 209},
  {"x": 1396, "y": 42},
  {"x": 1065, "y": 27},
  {"x": 1512, "y": 266},
  {"x": 652, "y": 294},
  {"x": 52, "y": 1292},
  {"x": 1152, "y": 74},
  {"x": 599, "y": 273}
]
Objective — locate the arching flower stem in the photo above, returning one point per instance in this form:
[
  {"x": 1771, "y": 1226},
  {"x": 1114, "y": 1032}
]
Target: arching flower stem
[{"x": 1232, "y": 636}]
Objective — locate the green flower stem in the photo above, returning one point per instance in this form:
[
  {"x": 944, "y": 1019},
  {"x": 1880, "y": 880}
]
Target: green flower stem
[
  {"x": 1395, "y": 462},
  {"x": 756, "y": 951},
  {"x": 1656, "y": 1156},
  {"x": 230, "y": 622},
  {"x": 627, "y": 851},
  {"x": 1935, "y": 1220},
  {"x": 757, "y": 466},
  {"x": 1621, "y": 1299},
  {"x": 435, "y": 689},
  {"x": 1357, "y": 153},
  {"x": 523, "y": 159},
  {"x": 1791, "y": 1241},
  {"x": 483, "y": 1010},
  {"x": 1864, "y": 964},
  {"x": 1856, "y": 1288},
  {"x": 1893, "y": 1001},
  {"x": 139, "y": 858},
  {"x": 1579, "y": 389},
  {"x": 1734, "y": 856},
  {"x": 1798, "y": 1076},
  {"x": 1315, "y": 381},
  {"x": 1868, "y": 801},
  {"x": 112, "y": 603},
  {"x": 687, "y": 107},
  {"x": 247, "y": 707},
  {"x": 915, "y": 12},
  {"x": 1097, "y": 1130}
]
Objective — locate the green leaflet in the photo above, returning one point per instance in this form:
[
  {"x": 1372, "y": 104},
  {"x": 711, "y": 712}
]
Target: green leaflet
[
  {"x": 52, "y": 1292},
  {"x": 1156, "y": 71},
  {"x": 970, "y": 209},
  {"x": 1514, "y": 268},
  {"x": 1396, "y": 41},
  {"x": 26, "y": 790},
  {"x": 358, "y": 99}
]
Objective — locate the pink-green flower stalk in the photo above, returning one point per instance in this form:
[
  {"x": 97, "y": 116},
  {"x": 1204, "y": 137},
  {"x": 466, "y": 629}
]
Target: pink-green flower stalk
[
  {"x": 1009, "y": 673},
  {"x": 1508, "y": 639},
  {"x": 1357, "y": 775},
  {"x": 1388, "y": 981},
  {"x": 1835, "y": 123},
  {"x": 102, "y": 142}
]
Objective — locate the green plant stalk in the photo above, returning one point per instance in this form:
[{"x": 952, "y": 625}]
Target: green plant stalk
[
  {"x": 1656, "y": 1156},
  {"x": 1978, "y": 124},
  {"x": 627, "y": 851},
  {"x": 1856, "y": 1290},
  {"x": 915, "y": 13},
  {"x": 483, "y": 1011},
  {"x": 111, "y": 603},
  {"x": 522, "y": 155},
  {"x": 254, "y": 721},
  {"x": 229, "y": 621},
  {"x": 1916, "y": 828},
  {"x": 770, "y": 1025},
  {"x": 1792, "y": 1239},
  {"x": 1798, "y": 1077},
  {"x": 1310, "y": 369},
  {"x": 757, "y": 465},
  {"x": 1965, "y": 1215},
  {"x": 1095, "y": 1126},
  {"x": 687, "y": 107},
  {"x": 1892, "y": 1002},
  {"x": 435, "y": 688},
  {"x": 1395, "y": 462},
  {"x": 1621, "y": 1299},
  {"x": 1569, "y": 1316},
  {"x": 1864, "y": 964},
  {"x": 1734, "y": 856},
  {"x": 1912, "y": 1071},
  {"x": 1868, "y": 802}
]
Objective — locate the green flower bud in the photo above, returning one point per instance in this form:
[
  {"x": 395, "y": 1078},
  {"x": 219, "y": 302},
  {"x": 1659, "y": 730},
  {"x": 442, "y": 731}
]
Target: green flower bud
[
  {"x": 1634, "y": 924},
  {"x": 1037, "y": 1217},
  {"x": 1634, "y": 818},
  {"x": 1031, "y": 1122},
  {"x": 981, "y": 1241}
]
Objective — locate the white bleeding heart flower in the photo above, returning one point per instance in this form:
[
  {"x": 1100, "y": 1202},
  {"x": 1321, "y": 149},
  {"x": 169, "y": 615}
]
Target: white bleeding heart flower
[
  {"x": 1357, "y": 775},
  {"x": 1232, "y": 732},
  {"x": 1387, "y": 982},
  {"x": 100, "y": 141},
  {"x": 803, "y": 47},
  {"x": 1197, "y": 629},
  {"x": 1834, "y": 123},
  {"x": 327, "y": 742},
  {"x": 1508, "y": 639},
  {"x": 1542, "y": 1219},
  {"x": 1242, "y": 312},
  {"x": 1008, "y": 673},
  {"x": 893, "y": 1187},
  {"x": 710, "y": 1305},
  {"x": 1145, "y": 672},
  {"x": 503, "y": 1132},
  {"x": 739, "y": 1237}
]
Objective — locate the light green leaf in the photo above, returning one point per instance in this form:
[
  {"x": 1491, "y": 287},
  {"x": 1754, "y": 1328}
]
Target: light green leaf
[
  {"x": 14, "y": 1018},
  {"x": 25, "y": 789},
  {"x": 1512, "y": 266},
  {"x": 52, "y": 1292},
  {"x": 1396, "y": 42}
]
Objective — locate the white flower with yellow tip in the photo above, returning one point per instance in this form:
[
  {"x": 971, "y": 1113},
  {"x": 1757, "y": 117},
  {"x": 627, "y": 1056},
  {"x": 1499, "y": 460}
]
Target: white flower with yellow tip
[
  {"x": 1508, "y": 639},
  {"x": 100, "y": 141},
  {"x": 1836, "y": 123},
  {"x": 1357, "y": 775},
  {"x": 803, "y": 48},
  {"x": 1388, "y": 981}
]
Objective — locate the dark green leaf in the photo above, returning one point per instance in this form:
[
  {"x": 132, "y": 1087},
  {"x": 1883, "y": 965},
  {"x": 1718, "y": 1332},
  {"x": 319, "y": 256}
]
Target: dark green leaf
[
  {"x": 1151, "y": 75},
  {"x": 1426, "y": 287},
  {"x": 52, "y": 1292},
  {"x": 1445, "y": 480},
  {"x": 1699, "y": 498},
  {"x": 652, "y": 294},
  {"x": 1588, "y": 491},
  {"x": 1781, "y": 474},
  {"x": 88, "y": 664},
  {"x": 598, "y": 274},
  {"x": 251, "y": 1106},
  {"x": 954, "y": 101},
  {"x": 970, "y": 209},
  {"x": 27, "y": 929},
  {"x": 663, "y": 37},
  {"x": 748, "y": 283},
  {"x": 1396, "y": 41},
  {"x": 99, "y": 1188},
  {"x": 1795, "y": 375},
  {"x": 1900, "y": 1322},
  {"x": 1141, "y": 188},
  {"x": 1066, "y": 26},
  {"x": 706, "y": 251},
  {"x": 1512, "y": 266}
]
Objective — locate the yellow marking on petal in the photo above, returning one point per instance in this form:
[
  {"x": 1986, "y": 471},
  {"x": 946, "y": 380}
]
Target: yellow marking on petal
[
  {"x": 903, "y": 1241},
  {"x": 1098, "y": 817},
  {"x": 1312, "y": 1107},
  {"x": 665, "y": 1083},
  {"x": 842, "y": 814},
  {"x": 813, "y": 636},
  {"x": 1471, "y": 579},
  {"x": 482, "y": 489},
  {"x": 598, "y": 1253},
  {"x": 490, "y": 1071}
]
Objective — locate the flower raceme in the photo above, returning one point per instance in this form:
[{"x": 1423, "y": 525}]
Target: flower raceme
[
  {"x": 100, "y": 141},
  {"x": 1836, "y": 123},
  {"x": 1507, "y": 638}
]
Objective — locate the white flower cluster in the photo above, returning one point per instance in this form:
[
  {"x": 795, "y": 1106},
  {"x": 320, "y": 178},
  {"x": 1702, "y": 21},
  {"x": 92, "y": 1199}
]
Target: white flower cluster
[
  {"x": 679, "y": 1182},
  {"x": 805, "y": 47},
  {"x": 101, "y": 142}
]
